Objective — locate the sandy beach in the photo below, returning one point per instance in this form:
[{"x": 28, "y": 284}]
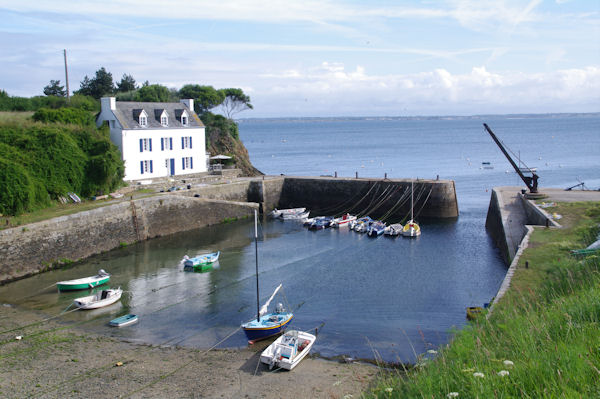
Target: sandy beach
[{"x": 56, "y": 360}]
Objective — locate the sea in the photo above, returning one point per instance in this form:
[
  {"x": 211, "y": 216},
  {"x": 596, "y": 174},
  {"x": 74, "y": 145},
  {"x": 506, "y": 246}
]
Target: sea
[{"x": 379, "y": 299}]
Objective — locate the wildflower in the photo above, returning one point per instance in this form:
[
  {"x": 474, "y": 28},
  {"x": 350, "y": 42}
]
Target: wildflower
[
  {"x": 503, "y": 373},
  {"x": 469, "y": 370},
  {"x": 19, "y": 337},
  {"x": 478, "y": 375},
  {"x": 389, "y": 389},
  {"x": 432, "y": 351},
  {"x": 508, "y": 363},
  {"x": 452, "y": 395}
]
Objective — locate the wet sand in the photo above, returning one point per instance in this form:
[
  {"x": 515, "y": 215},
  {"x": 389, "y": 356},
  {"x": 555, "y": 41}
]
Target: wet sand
[{"x": 57, "y": 360}]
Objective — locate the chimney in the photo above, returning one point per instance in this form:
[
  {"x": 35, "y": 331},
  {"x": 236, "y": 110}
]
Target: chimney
[
  {"x": 108, "y": 103},
  {"x": 188, "y": 102}
]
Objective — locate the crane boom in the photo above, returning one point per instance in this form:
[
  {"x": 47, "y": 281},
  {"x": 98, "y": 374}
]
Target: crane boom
[{"x": 530, "y": 181}]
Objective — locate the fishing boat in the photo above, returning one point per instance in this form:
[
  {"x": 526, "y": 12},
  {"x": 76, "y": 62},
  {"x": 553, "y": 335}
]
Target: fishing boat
[
  {"x": 411, "y": 228},
  {"x": 200, "y": 260},
  {"x": 356, "y": 224},
  {"x": 294, "y": 216},
  {"x": 266, "y": 324},
  {"x": 343, "y": 220},
  {"x": 321, "y": 223},
  {"x": 375, "y": 229},
  {"x": 393, "y": 230},
  {"x": 123, "y": 321},
  {"x": 84, "y": 283},
  {"x": 288, "y": 350},
  {"x": 279, "y": 212},
  {"x": 99, "y": 299},
  {"x": 363, "y": 227}
]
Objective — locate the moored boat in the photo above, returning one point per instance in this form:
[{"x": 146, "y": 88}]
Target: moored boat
[
  {"x": 294, "y": 216},
  {"x": 344, "y": 220},
  {"x": 321, "y": 223},
  {"x": 99, "y": 299},
  {"x": 280, "y": 212},
  {"x": 393, "y": 230},
  {"x": 123, "y": 321},
  {"x": 84, "y": 283},
  {"x": 375, "y": 229},
  {"x": 288, "y": 350},
  {"x": 200, "y": 260},
  {"x": 356, "y": 224},
  {"x": 411, "y": 228}
]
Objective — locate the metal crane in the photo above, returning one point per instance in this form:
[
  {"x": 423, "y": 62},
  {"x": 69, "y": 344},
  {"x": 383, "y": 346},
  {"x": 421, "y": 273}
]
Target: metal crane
[{"x": 530, "y": 181}]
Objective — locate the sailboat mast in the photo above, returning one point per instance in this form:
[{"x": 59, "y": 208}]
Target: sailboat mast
[
  {"x": 412, "y": 191},
  {"x": 256, "y": 257}
]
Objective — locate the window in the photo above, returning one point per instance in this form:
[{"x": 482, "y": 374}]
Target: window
[
  {"x": 145, "y": 145},
  {"x": 164, "y": 120},
  {"x": 145, "y": 167},
  {"x": 187, "y": 163},
  {"x": 143, "y": 121},
  {"x": 166, "y": 143},
  {"x": 112, "y": 124},
  {"x": 184, "y": 120},
  {"x": 186, "y": 142}
]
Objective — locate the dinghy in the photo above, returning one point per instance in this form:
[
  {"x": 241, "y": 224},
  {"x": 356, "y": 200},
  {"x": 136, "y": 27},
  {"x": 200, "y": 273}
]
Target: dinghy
[
  {"x": 376, "y": 229},
  {"x": 288, "y": 350},
  {"x": 280, "y": 212},
  {"x": 99, "y": 299},
  {"x": 83, "y": 283},
  {"x": 200, "y": 260},
  {"x": 123, "y": 321},
  {"x": 393, "y": 229},
  {"x": 295, "y": 216}
]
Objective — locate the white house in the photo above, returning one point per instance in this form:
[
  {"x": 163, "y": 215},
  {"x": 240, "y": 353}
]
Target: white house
[{"x": 155, "y": 139}]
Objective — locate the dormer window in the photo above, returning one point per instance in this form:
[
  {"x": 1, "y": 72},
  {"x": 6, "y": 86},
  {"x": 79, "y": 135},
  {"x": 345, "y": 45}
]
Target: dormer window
[
  {"x": 184, "y": 120},
  {"x": 141, "y": 117},
  {"x": 182, "y": 116},
  {"x": 164, "y": 120},
  {"x": 162, "y": 116}
]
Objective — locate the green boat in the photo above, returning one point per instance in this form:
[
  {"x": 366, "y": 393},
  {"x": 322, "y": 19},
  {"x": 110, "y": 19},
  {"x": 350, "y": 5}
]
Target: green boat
[{"x": 84, "y": 283}]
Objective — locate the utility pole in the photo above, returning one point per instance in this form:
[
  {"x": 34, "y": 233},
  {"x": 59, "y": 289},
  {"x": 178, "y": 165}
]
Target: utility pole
[{"x": 66, "y": 74}]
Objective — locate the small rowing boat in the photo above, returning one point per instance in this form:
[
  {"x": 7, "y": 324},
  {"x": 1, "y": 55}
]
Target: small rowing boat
[
  {"x": 99, "y": 299},
  {"x": 84, "y": 283},
  {"x": 288, "y": 350},
  {"x": 200, "y": 260},
  {"x": 123, "y": 321}
]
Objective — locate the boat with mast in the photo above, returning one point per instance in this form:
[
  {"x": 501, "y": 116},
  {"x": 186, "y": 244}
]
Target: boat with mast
[
  {"x": 266, "y": 324},
  {"x": 411, "y": 228}
]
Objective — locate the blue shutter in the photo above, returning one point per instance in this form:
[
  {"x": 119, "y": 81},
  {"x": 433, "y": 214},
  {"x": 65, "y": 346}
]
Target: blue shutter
[
  {"x": 171, "y": 142},
  {"x": 141, "y": 145},
  {"x": 183, "y": 163},
  {"x": 150, "y": 166},
  {"x": 182, "y": 143},
  {"x": 162, "y": 144},
  {"x": 191, "y": 163},
  {"x": 190, "y": 142},
  {"x": 150, "y": 144},
  {"x": 142, "y": 166}
]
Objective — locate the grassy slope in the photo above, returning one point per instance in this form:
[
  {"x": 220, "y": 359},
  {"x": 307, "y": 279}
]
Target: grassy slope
[{"x": 548, "y": 325}]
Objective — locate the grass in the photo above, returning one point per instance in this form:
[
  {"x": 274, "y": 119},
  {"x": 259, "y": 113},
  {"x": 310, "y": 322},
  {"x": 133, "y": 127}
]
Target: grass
[{"x": 547, "y": 325}]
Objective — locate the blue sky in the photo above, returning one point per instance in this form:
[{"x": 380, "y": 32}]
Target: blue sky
[{"x": 321, "y": 58}]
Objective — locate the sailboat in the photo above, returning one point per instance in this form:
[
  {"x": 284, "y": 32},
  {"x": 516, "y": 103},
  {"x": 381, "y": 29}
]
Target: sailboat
[
  {"x": 411, "y": 228},
  {"x": 266, "y": 324}
]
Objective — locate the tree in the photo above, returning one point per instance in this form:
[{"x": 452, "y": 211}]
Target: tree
[
  {"x": 152, "y": 93},
  {"x": 235, "y": 101},
  {"x": 126, "y": 84},
  {"x": 205, "y": 97},
  {"x": 55, "y": 89},
  {"x": 99, "y": 86}
]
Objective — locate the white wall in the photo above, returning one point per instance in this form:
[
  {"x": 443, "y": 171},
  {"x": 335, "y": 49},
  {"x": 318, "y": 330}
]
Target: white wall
[{"x": 132, "y": 155}]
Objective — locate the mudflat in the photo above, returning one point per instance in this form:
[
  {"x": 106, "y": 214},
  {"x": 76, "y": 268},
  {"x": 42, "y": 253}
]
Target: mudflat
[{"x": 57, "y": 360}]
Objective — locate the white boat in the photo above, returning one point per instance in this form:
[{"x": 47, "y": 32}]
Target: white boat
[
  {"x": 288, "y": 350},
  {"x": 344, "y": 220},
  {"x": 123, "y": 321},
  {"x": 279, "y": 212},
  {"x": 99, "y": 299},
  {"x": 411, "y": 228},
  {"x": 294, "y": 216},
  {"x": 200, "y": 260},
  {"x": 393, "y": 229}
]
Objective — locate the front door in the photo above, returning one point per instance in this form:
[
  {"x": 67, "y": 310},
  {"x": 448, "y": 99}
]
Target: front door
[{"x": 172, "y": 167}]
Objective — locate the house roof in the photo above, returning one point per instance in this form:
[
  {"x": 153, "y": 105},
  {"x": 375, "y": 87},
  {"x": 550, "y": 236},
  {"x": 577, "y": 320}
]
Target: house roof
[{"x": 128, "y": 113}]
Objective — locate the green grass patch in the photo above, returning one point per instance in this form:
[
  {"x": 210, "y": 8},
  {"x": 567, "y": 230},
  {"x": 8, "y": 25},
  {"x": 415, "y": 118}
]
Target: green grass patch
[{"x": 543, "y": 338}]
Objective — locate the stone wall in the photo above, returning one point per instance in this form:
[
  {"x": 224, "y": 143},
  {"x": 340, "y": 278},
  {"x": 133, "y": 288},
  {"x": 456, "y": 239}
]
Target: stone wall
[{"x": 29, "y": 249}]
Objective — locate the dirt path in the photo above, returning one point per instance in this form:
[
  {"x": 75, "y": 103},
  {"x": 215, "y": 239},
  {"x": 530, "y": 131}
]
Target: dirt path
[{"x": 54, "y": 360}]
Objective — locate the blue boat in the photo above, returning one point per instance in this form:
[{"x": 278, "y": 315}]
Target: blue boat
[
  {"x": 123, "y": 320},
  {"x": 376, "y": 229},
  {"x": 265, "y": 324},
  {"x": 200, "y": 260},
  {"x": 321, "y": 223}
]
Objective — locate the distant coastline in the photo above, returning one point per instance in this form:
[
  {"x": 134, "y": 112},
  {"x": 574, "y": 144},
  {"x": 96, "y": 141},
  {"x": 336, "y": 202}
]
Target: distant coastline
[{"x": 416, "y": 118}]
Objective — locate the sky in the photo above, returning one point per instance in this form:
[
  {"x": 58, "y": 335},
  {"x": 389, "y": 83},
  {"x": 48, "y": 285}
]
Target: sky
[{"x": 321, "y": 57}]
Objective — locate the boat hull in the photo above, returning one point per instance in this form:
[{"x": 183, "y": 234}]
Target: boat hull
[
  {"x": 271, "y": 358},
  {"x": 72, "y": 286},
  {"x": 258, "y": 331},
  {"x": 95, "y": 301},
  {"x": 123, "y": 321}
]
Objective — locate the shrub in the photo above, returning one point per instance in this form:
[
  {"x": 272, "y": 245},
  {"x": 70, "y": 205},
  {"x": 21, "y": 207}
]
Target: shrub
[{"x": 64, "y": 115}]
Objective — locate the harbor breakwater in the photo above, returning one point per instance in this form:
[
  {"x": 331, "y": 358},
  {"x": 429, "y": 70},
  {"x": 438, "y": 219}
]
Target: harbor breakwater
[{"x": 32, "y": 248}]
